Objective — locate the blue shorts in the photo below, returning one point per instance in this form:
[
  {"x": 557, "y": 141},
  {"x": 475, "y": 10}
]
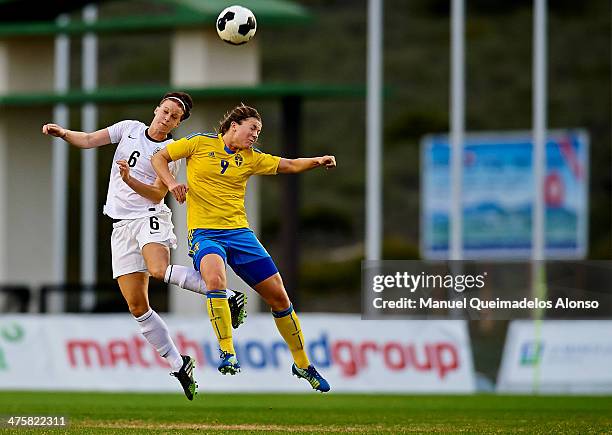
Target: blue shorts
[{"x": 238, "y": 247}]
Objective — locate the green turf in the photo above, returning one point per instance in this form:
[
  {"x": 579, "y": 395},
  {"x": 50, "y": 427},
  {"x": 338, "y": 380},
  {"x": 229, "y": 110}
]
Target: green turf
[{"x": 313, "y": 413}]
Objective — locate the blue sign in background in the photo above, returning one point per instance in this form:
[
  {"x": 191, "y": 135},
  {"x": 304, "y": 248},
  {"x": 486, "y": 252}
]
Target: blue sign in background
[{"x": 498, "y": 195}]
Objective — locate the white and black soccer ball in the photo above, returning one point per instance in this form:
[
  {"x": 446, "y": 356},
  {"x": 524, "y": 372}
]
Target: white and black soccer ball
[{"x": 236, "y": 25}]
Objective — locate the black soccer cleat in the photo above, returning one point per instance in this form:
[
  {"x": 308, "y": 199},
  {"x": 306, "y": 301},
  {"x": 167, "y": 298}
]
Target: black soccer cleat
[
  {"x": 185, "y": 377},
  {"x": 237, "y": 305}
]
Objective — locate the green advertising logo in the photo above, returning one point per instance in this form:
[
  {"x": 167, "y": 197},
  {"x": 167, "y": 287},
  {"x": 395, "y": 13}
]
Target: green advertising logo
[
  {"x": 11, "y": 333},
  {"x": 531, "y": 353}
]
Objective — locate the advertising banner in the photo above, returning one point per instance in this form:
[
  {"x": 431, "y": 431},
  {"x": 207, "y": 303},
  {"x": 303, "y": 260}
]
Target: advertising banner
[
  {"x": 107, "y": 352},
  {"x": 557, "y": 357},
  {"x": 498, "y": 194}
]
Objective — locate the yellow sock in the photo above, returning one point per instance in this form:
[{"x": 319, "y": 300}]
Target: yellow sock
[
  {"x": 221, "y": 320},
  {"x": 289, "y": 327}
]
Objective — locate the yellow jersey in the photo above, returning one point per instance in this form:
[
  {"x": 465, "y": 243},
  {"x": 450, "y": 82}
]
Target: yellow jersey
[{"x": 217, "y": 179}]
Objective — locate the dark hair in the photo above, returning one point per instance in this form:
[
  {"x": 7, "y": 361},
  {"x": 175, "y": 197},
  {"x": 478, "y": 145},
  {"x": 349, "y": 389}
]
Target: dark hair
[
  {"x": 184, "y": 100},
  {"x": 237, "y": 114}
]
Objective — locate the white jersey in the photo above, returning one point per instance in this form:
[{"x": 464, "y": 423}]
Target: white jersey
[{"x": 135, "y": 147}]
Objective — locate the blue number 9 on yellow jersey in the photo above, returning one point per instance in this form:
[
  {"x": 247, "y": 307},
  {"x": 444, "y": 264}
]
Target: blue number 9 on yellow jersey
[{"x": 224, "y": 166}]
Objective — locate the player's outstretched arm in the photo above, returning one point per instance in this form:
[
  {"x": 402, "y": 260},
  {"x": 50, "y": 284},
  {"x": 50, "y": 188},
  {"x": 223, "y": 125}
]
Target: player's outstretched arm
[
  {"x": 155, "y": 192},
  {"x": 295, "y": 166},
  {"x": 79, "y": 139},
  {"x": 160, "y": 161}
]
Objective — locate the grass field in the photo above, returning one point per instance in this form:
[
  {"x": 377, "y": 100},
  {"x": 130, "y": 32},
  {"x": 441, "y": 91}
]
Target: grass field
[{"x": 312, "y": 413}]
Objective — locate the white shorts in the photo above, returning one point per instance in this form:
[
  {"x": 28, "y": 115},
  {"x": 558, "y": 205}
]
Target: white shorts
[{"x": 130, "y": 235}]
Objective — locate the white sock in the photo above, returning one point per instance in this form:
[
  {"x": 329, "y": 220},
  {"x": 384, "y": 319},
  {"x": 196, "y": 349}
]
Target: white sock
[
  {"x": 156, "y": 332},
  {"x": 186, "y": 278},
  {"x": 189, "y": 279}
]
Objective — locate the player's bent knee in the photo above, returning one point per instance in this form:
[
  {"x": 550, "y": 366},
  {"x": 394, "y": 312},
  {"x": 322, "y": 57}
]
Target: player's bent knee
[
  {"x": 158, "y": 273},
  {"x": 215, "y": 282},
  {"x": 279, "y": 301},
  {"x": 138, "y": 310}
]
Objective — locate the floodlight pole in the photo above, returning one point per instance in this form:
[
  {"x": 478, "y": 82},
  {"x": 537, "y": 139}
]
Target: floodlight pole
[
  {"x": 89, "y": 167},
  {"x": 539, "y": 129},
  {"x": 457, "y": 129},
  {"x": 538, "y": 250},
  {"x": 374, "y": 132},
  {"x": 61, "y": 73},
  {"x": 60, "y": 154}
]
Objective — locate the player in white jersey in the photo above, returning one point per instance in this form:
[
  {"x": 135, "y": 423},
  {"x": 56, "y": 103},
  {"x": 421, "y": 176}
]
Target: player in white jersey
[{"x": 142, "y": 228}]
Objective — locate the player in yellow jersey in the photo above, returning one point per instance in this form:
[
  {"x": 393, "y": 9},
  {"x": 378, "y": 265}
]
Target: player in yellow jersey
[{"x": 218, "y": 167}]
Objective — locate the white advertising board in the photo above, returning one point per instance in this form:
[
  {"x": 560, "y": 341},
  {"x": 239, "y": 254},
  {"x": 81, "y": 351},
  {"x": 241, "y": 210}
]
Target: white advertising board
[
  {"x": 557, "y": 356},
  {"x": 107, "y": 352}
]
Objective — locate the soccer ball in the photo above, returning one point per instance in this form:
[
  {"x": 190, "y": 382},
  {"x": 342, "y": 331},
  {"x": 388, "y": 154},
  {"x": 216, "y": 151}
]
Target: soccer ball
[{"x": 236, "y": 25}]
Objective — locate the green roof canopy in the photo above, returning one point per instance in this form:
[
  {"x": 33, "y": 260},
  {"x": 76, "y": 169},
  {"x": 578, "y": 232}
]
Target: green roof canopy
[
  {"x": 120, "y": 95},
  {"x": 182, "y": 14}
]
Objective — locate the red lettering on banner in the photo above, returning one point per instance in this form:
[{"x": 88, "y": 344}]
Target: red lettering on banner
[
  {"x": 343, "y": 354},
  {"x": 119, "y": 350},
  {"x": 420, "y": 365},
  {"x": 445, "y": 364},
  {"x": 440, "y": 358},
  {"x": 396, "y": 348},
  {"x": 139, "y": 343},
  {"x": 363, "y": 349},
  {"x": 132, "y": 352},
  {"x": 83, "y": 348}
]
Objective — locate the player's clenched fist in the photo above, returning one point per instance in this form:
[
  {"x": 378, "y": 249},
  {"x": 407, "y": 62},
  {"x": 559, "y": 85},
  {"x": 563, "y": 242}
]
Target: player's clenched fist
[
  {"x": 328, "y": 161},
  {"x": 54, "y": 130}
]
